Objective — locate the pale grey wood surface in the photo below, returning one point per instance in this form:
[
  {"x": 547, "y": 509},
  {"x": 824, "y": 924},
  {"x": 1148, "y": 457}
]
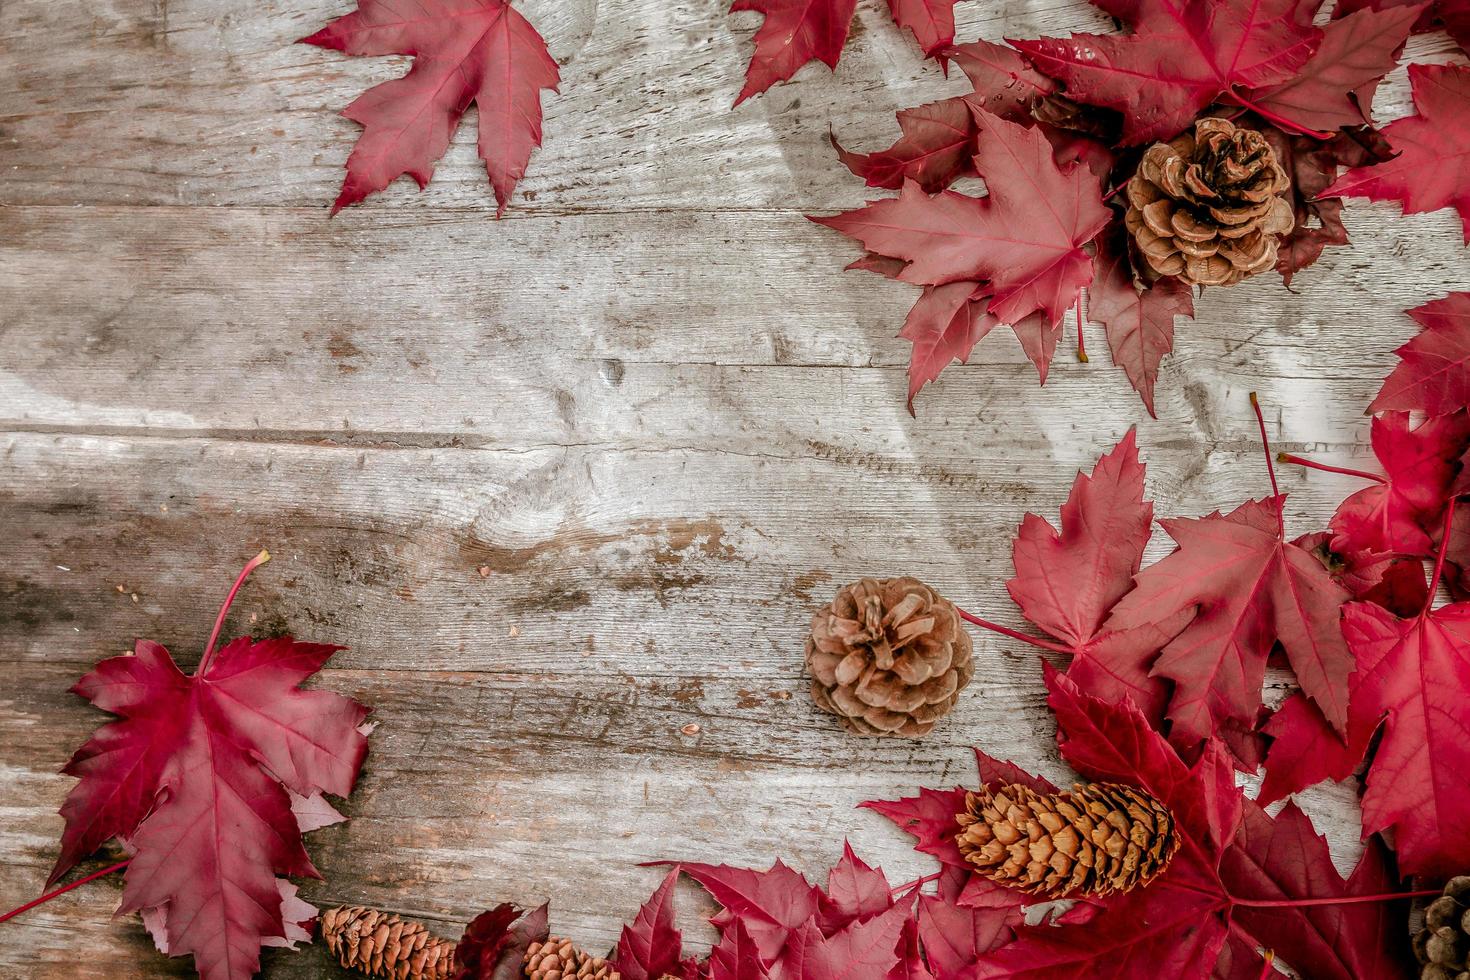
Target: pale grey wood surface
[{"x": 648, "y": 403}]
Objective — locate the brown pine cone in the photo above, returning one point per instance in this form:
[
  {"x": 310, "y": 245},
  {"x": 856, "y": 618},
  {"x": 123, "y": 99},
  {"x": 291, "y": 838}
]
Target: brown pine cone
[
  {"x": 888, "y": 657},
  {"x": 1207, "y": 205},
  {"x": 1096, "y": 840},
  {"x": 1443, "y": 945},
  {"x": 558, "y": 959},
  {"x": 383, "y": 945}
]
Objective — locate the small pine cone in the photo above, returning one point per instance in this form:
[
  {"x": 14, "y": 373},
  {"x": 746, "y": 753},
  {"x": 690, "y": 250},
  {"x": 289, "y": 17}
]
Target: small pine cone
[
  {"x": 888, "y": 657},
  {"x": 383, "y": 945},
  {"x": 558, "y": 959},
  {"x": 1207, "y": 205},
  {"x": 1443, "y": 945},
  {"x": 1096, "y": 840}
]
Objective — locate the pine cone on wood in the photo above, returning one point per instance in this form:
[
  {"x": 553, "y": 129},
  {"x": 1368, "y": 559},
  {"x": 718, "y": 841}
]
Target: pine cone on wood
[
  {"x": 383, "y": 945},
  {"x": 1207, "y": 206},
  {"x": 888, "y": 657},
  {"x": 1443, "y": 945},
  {"x": 559, "y": 959},
  {"x": 1096, "y": 840}
]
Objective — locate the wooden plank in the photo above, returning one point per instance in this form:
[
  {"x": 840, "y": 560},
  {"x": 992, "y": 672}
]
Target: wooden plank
[
  {"x": 201, "y": 102},
  {"x": 729, "y": 331}
]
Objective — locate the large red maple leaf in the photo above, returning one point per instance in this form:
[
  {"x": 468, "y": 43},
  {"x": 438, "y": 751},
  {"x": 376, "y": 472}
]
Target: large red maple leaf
[
  {"x": 1183, "y": 56},
  {"x": 1250, "y": 588},
  {"x": 1026, "y": 266},
  {"x": 198, "y": 779},
  {"x": 1414, "y": 673},
  {"x": 1433, "y": 375},
  {"x": 1432, "y": 170},
  {"x": 464, "y": 51}
]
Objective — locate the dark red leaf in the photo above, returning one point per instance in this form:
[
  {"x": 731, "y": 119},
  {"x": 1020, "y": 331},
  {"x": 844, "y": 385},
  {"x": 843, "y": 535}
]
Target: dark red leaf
[{"x": 651, "y": 947}]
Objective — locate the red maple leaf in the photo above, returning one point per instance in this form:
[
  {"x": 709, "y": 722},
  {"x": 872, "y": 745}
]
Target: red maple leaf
[
  {"x": 1183, "y": 56},
  {"x": 1139, "y": 322},
  {"x": 198, "y": 778},
  {"x": 1414, "y": 673},
  {"x": 1432, "y": 170},
  {"x": 1020, "y": 261},
  {"x": 932, "y": 22},
  {"x": 651, "y": 947},
  {"x": 1401, "y": 510},
  {"x": 1335, "y": 87},
  {"x": 1433, "y": 375},
  {"x": 1251, "y": 589},
  {"x": 795, "y": 32},
  {"x": 464, "y": 51}
]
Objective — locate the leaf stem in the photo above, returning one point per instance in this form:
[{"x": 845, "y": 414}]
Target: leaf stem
[
  {"x": 1444, "y": 547},
  {"x": 1314, "y": 465},
  {"x": 1296, "y": 903},
  {"x": 916, "y": 883},
  {"x": 1272, "y": 117},
  {"x": 1081, "y": 340},
  {"x": 1266, "y": 445},
  {"x": 1013, "y": 634},
  {"x": 1268, "y": 967},
  {"x": 1114, "y": 192},
  {"x": 219, "y": 621},
  {"x": 64, "y": 889}
]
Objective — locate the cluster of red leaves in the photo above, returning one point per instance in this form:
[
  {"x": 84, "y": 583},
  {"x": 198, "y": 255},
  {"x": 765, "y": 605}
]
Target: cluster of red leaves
[
  {"x": 776, "y": 925},
  {"x": 795, "y": 32},
  {"x": 1242, "y": 881},
  {"x": 209, "y": 781},
  {"x": 1188, "y": 639},
  {"x": 1411, "y": 679},
  {"x": 464, "y": 51},
  {"x": 1045, "y": 231}
]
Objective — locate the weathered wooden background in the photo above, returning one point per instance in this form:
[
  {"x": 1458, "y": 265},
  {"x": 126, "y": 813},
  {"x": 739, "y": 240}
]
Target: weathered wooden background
[{"x": 648, "y": 401}]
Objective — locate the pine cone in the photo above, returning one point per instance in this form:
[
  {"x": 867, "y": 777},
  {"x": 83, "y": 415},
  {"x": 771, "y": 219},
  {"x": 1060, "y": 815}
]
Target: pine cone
[
  {"x": 1096, "y": 840},
  {"x": 382, "y": 945},
  {"x": 1443, "y": 945},
  {"x": 888, "y": 657},
  {"x": 558, "y": 959},
  {"x": 1207, "y": 206}
]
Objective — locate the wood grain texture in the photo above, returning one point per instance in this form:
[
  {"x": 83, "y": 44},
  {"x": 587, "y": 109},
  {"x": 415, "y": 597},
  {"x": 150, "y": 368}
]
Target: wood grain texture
[{"x": 647, "y": 404}]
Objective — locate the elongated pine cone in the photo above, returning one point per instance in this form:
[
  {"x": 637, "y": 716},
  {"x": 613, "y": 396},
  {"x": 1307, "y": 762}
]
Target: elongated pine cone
[
  {"x": 558, "y": 959},
  {"x": 1443, "y": 945},
  {"x": 888, "y": 657},
  {"x": 383, "y": 945},
  {"x": 1096, "y": 840},
  {"x": 1207, "y": 205}
]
